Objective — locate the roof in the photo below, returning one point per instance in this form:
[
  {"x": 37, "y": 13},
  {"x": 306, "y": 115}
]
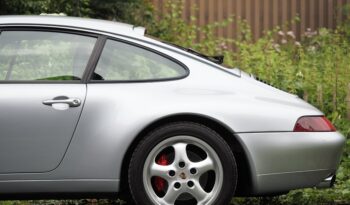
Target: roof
[{"x": 73, "y": 22}]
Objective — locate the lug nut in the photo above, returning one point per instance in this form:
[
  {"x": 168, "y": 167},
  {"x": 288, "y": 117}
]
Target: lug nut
[
  {"x": 171, "y": 173},
  {"x": 193, "y": 171},
  {"x": 182, "y": 164},
  {"x": 190, "y": 183},
  {"x": 177, "y": 185}
]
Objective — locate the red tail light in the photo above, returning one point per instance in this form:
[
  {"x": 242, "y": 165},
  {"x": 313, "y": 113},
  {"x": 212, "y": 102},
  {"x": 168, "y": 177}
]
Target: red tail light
[{"x": 313, "y": 124}]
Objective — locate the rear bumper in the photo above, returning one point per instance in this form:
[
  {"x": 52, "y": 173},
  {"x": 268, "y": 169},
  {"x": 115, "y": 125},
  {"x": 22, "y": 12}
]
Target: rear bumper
[{"x": 284, "y": 161}]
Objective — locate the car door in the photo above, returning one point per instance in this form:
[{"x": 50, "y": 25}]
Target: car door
[{"x": 41, "y": 96}]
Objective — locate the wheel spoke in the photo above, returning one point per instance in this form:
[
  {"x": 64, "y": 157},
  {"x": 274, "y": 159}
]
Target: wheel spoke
[
  {"x": 171, "y": 195},
  {"x": 198, "y": 192},
  {"x": 159, "y": 171},
  {"x": 180, "y": 153},
  {"x": 204, "y": 166}
]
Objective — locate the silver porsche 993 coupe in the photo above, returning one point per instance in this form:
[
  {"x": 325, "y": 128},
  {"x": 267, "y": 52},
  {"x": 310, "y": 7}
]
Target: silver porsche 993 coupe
[{"x": 92, "y": 107}]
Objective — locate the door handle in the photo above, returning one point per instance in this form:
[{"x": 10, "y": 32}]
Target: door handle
[{"x": 72, "y": 102}]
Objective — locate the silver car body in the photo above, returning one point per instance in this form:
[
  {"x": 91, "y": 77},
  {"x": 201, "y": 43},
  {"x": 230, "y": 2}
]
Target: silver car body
[{"x": 82, "y": 150}]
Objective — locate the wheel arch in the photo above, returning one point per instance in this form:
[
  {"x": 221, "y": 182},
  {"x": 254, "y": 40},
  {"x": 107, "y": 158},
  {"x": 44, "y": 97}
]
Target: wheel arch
[{"x": 245, "y": 180}]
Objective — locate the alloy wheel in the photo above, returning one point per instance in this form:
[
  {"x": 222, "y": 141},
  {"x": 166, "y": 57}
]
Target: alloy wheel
[{"x": 182, "y": 169}]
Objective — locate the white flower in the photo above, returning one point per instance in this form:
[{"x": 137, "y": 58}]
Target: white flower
[
  {"x": 311, "y": 49},
  {"x": 300, "y": 74},
  {"x": 309, "y": 33},
  {"x": 277, "y": 47},
  {"x": 281, "y": 33},
  {"x": 291, "y": 34}
]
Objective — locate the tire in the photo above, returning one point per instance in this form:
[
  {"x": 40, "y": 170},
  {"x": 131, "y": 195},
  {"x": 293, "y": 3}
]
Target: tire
[{"x": 170, "y": 166}]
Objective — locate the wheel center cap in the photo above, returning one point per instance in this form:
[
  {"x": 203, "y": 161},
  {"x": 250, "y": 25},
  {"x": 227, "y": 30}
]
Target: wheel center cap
[{"x": 183, "y": 175}]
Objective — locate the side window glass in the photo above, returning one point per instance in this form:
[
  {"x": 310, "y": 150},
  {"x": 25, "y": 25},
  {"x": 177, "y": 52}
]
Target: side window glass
[
  {"x": 41, "y": 55},
  {"x": 124, "y": 62}
]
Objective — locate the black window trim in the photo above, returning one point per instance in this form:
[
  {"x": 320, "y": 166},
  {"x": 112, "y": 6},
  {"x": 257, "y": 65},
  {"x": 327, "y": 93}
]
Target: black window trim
[
  {"x": 145, "y": 80},
  {"x": 95, "y": 56},
  {"x": 96, "y": 51}
]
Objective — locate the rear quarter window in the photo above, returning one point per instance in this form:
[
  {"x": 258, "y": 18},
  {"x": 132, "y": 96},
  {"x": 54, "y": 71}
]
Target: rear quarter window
[{"x": 120, "y": 61}]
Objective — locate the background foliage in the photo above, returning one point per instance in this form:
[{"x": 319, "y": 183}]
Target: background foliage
[{"x": 317, "y": 68}]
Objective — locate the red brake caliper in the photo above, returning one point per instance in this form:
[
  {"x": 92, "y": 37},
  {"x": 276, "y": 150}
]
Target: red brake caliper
[{"x": 159, "y": 181}]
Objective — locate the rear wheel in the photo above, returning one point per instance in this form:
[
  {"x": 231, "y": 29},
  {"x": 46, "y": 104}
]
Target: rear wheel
[{"x": 182, "y": 163}]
